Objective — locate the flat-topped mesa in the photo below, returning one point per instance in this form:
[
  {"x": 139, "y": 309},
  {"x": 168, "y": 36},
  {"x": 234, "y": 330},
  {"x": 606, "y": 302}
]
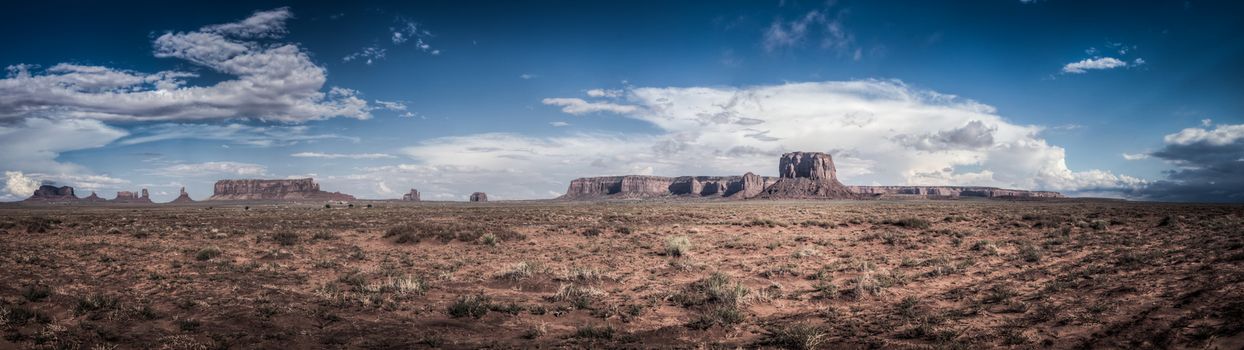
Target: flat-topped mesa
[
  {"x": 948, "y": 192},
  {"x": 807, "y": 175},
  {"x": 802, "y": 175},
  {"x": 413, "y": 196},
  {"x": 646, "y": 186},
  {"x": 183, "y": 197},
  {"x": 258, "y": 189},
  {"x": 132, "y": 197},
  {"x": 479, "y": 197},
  {"x": 53, "y": 193},
  {"x": 812, "y": 165}
]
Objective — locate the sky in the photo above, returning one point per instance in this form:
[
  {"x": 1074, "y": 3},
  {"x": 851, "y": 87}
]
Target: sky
[{"x": 1123, "y": 99}]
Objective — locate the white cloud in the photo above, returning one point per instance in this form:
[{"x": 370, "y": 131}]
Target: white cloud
[
  {"x": 395, "y": 106},
  {"x": 270, "y": 81},
  {"x": 1098, "y": 63},
  {"x": 818, "y": 25},
  {"x": 211, "y": 168},
  {"x": 559, "y": 124},
  {"x": 578, "y": 106},
  {"x": 342, "y": 155},
  {"x": 611, "y": 93},
  {"x": 881, "y": 132},
  {"x": 368, "y": 55},
  {"x": 258, "y": 136},
  {"x": 1137, "y": 156},
  {"x": 527, "y": 76},
  {"x": 19, "y": 185},
  {"x": 1219, "y": 136},
  {"x": 34, "y": 145}
]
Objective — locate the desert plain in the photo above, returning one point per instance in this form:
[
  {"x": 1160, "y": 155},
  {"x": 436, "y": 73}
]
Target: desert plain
[{"x": 971, "y": 273}]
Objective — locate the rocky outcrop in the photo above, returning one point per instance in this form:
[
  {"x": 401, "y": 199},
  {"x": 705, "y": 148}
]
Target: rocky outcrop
[
  {"x": 807, "y": 175},
  {"x": 413, "y": 196},
  {"x": 183, "y": 197},
  {"x": 131, "y": 197},
  {"x": 802, "y": 175},
  {"x": 479, "y": 197},
  {"x": 93, "y": 198},
  {"x": 948, "y": 192},
  {"x": 256, "y": 189},
  {"x": 47, "y": 193},
  {"x": 644, "y": 186}
]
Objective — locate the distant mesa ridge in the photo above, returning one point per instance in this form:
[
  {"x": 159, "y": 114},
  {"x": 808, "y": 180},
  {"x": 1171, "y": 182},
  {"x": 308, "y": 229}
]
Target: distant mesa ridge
[
  {"x": 257, "y": 189},
  {"x": 802, "y": 175},
  {"x": 131, "y": 197},
  {"x": 183, "y": 197},
  {"x": 53, "y": 193}
]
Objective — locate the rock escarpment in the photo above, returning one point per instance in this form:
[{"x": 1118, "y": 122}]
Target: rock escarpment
[
  {"x": 183, "y": 197},
  {"x": 256, "y": 189},
  {"x": 131, "y": 197},
  {"x": 479, "y": 197},
  {"x": 413, "y": 196},
  {"x": 93, "y": 198},
  {"x": 948, "y": 192},
  {"x": 807, "y": 175},
  {"x": 52, "y": 193},
  {"x": 802, "y": 175},
  {"x": 644, "y": 186}
]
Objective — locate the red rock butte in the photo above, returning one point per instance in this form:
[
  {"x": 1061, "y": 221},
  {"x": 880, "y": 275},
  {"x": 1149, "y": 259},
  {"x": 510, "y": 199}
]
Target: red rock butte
[
  {"x": 256, "y": 189},
  {"x": 802, "y": 175}
]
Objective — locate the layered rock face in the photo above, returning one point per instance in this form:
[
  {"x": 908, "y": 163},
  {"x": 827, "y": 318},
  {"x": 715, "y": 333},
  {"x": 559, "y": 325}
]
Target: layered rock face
[
  {"x": 413, "y": 196},
  {"x": 183, "y": 197},
  {"x": 255, "y": 189},
  {"x": 53, "y": 193},
  {"x": 479, "y": 197},
  {"x": 643, "y": 186},
  {"x": 803, "y": 175},
  {"x": 948, "y": 192},
  {"x": 131, "y": 197},
  {"x": 807, "y": 175}
]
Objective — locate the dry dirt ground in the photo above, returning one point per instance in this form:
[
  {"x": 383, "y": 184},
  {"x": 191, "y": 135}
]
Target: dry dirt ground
[{"x": 838, "y": 274}]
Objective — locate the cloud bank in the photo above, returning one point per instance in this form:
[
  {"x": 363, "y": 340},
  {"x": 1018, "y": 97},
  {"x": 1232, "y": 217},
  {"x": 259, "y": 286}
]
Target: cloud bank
[{"x": 880, "y": 132}]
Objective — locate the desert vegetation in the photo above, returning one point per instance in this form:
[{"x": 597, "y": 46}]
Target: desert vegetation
[{"x": 795, "y": 275}]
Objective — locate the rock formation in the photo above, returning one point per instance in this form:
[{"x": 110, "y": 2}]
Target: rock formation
[
  {"x": 803, "y": 175},
  {"x": 53, "y": 193},
  {"x": 131, "y": 197},
  {"x": 93, "y": 198},
  {"x": 255, "y": 189},
  {"x": 413, "y": 196},
  {"x": 642, "y": 186},
  {"x": 479, "y": 197},
  {"x": 183, "y": 197},
  {"x": 807, "y": 175}
]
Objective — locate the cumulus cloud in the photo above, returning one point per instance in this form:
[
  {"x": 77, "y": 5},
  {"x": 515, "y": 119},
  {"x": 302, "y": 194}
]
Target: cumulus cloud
[
  {"x": 880, "y": 132},
  {"x": 342, "y": 155},
  {"x": 269, "y": 81},
  {"x": 210, "y": 169},
  {"x": 1096, "y": 63},
  {"x": 578, "y": 106},
  {"x": 1209, "y": 166},
  {"x": 19, "y": 185},
  {"x": 32, "y": 147}
]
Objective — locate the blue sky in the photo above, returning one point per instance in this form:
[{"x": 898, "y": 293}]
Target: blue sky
[{"x": 1123, "y": 99}]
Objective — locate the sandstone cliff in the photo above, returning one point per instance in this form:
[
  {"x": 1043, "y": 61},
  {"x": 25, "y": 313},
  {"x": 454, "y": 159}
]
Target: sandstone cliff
[
  {"x": 803, "y": 175},
  {"x": 807, "y": 175},
  {"x": 413, "y": 196},
  {"x": 255, "y": 189},
  {"x": 131, "y": 197},
  {"x": 479, "y": 197},
  {"x": 53, "y": 193},
  {"x": 94, "y": 198}
]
